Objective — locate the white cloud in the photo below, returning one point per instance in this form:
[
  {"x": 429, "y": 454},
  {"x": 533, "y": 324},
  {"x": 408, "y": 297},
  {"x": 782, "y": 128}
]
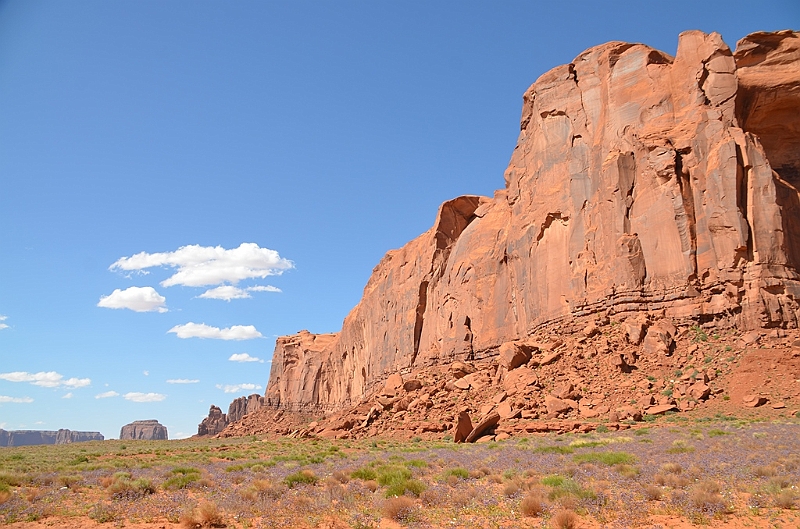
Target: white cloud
[
  {"x": 3, "y": 325},
  {"x": 244, "y": 357},
  {"x": 16, "y": 400},
  {"x": 137, "y": 299},
  {"x": 67, "y": 395},
  {"x": 264, "y": 288},
  {"x": 182, "y": 381},
  {"x": 144, "y": 397},
  {"x": 146, "y": 373},
  {"x": 47, "y": 379},
  {"x": 229, "y": 292},
  {"x": 237, "y": 388},
  {"x": 200, "y": 266},
  {"x": 201, "y": 330},
  {"x": 226, "y": 292},
  {"x": 106, "y": 395}
]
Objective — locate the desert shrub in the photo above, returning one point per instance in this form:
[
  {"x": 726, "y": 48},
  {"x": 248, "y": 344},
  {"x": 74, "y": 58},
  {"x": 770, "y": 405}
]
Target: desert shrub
[
  {"x": 553, "y": 480},
  {"x": 671, "y": 480},
  {"x": 400, "y": 508},
  {"x": 206, "y": 514},
  {"x": 371, "y": 485},
  {"x": 628, "y": 471},
  {"x": 511, "y": 489},
  {"x": 5, "y": 492},
  {"x": 707, "y": 500},
  {"x": 495, "y": 478},
  {"x": 652, "y": 492},
  {"x": 400, "y": 488},
  {"x": 565, "y": 519},
  {"x": 340, "y": 476},
  {"x": 570, "y": 487},
  {"x": 10, "y": 479},
  {"x": 532, "y": 504},
  {"x": 69, "y": 480},
  {"x": 679, "y": 446},
  {"x": 458, "y": 472},
  {"x": 785, "y": 499},
  {"x": 607, "y": 458},
  {"x": 181, "y": 477},
  {"x": 462, "y": 498},
  {"x": 102, "y": 513},
  {"x": 671, "y": 468},
  {"x": 364, "y": 473},
  {"x": 303, "y": 477},
  {"x": 765, "y": 471}
]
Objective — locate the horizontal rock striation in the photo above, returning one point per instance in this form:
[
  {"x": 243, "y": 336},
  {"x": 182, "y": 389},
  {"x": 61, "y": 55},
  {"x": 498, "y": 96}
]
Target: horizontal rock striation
[
  {"x": 150, "y": 430},
  {"x": 640, "y": 182},
  {"x": 46, "y": 437}
]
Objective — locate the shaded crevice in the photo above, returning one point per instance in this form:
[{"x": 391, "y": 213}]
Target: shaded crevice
[
  {"x": 422, "y": 303},
  {"x": 687, "y": 196},
  {"x": 742, "y": 202}
]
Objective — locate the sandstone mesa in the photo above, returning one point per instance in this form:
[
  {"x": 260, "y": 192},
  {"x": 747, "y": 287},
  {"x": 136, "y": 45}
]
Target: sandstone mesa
[{"x": 658, "y": 193}]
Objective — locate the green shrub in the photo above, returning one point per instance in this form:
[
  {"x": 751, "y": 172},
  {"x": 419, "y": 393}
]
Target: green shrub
[
  {"x": 364, "y": 474},
  {"x": 400, "y": 488},
  {"x": 303, "y": 477},
  {"x": 459, "y": 472}
]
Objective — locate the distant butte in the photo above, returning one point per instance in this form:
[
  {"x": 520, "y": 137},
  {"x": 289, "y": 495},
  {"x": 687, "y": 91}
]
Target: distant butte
[
  {"x": 150, "y": 430},
  {"x": 650, "y": 210}
]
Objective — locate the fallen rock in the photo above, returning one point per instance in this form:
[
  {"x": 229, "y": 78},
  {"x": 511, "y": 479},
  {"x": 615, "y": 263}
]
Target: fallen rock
[
  {"x": 483, "y": 427},
  {"x": 754, "y": 401},
  {"x": 512, "y": 355},
  {"x": 463, "y": 427}
]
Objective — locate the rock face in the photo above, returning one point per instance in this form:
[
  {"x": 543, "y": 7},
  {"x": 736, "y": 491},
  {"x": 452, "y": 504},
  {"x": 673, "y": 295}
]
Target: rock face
[
  {"x": 149, "y": 430},
  {"x": 640, "y": 183},
  {"x": 214, "y": 423},
  {"x": 46, "y": 437}
]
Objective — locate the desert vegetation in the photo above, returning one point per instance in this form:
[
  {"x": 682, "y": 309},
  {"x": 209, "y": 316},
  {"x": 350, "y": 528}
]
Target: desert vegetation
[{"x": 700, "y": 471}]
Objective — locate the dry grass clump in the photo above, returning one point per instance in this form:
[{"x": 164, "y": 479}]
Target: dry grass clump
[
  {"x": 565, "y": 519},
  {"x": 262, "y": 488},
  {"x": 785, "y": 499},
  {"x": 673, "y": 481},
  {"x": 653, "y": 492},
  {"x": 432, "y": 497},
  {"x": 765, "y": 471},
  {"x": 340, "y": 476},
  {"x": 706, "y": 496},
  {"x": 463, "y": 498},
  {"x": 399, "y": 508},
  {"x": 206, "y": 514},
  {"x": 511, "y": 489},
  {"x": 5, "y": 494},
  {"x": 371, "y": 485},
  {"x": 532, "y": 504},
  {"x": 671, "y": 468},
  {"x": 495, "y": 478},
  {"x": 628, "y": 471}
]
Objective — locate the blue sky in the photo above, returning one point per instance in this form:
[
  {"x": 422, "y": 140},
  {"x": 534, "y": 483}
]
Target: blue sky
[{"x": 244, "y": 166}]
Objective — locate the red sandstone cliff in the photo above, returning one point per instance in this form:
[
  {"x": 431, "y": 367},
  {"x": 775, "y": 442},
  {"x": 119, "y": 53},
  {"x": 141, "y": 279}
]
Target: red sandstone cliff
[{"x": 639, "y": 182}]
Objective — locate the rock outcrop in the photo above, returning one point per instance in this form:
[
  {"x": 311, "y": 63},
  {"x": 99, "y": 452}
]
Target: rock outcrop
[
  {"x": 148, "y": 430},
  {"x": 46, "y": 437},
  {"x": 214, "y": 423},
  {"x": 640, "y": 182}
]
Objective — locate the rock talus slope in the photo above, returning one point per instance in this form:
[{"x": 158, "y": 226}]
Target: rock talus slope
[{"x": 640, "y": 182}]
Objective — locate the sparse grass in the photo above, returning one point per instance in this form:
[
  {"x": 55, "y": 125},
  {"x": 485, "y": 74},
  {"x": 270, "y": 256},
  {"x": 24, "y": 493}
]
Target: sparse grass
[
  {"x": 248, "y": 480},
  {"x": 565, "y": 519},
  {"x": 607, "y": 458}
]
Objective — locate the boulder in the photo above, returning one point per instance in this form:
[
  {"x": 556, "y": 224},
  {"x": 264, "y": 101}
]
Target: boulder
[
  {"x": 483, "y": 427},
  {"x": 148, "y": 430},
  {"x": 463, "y": 427},
  {"x": 512, "y": 355}
]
